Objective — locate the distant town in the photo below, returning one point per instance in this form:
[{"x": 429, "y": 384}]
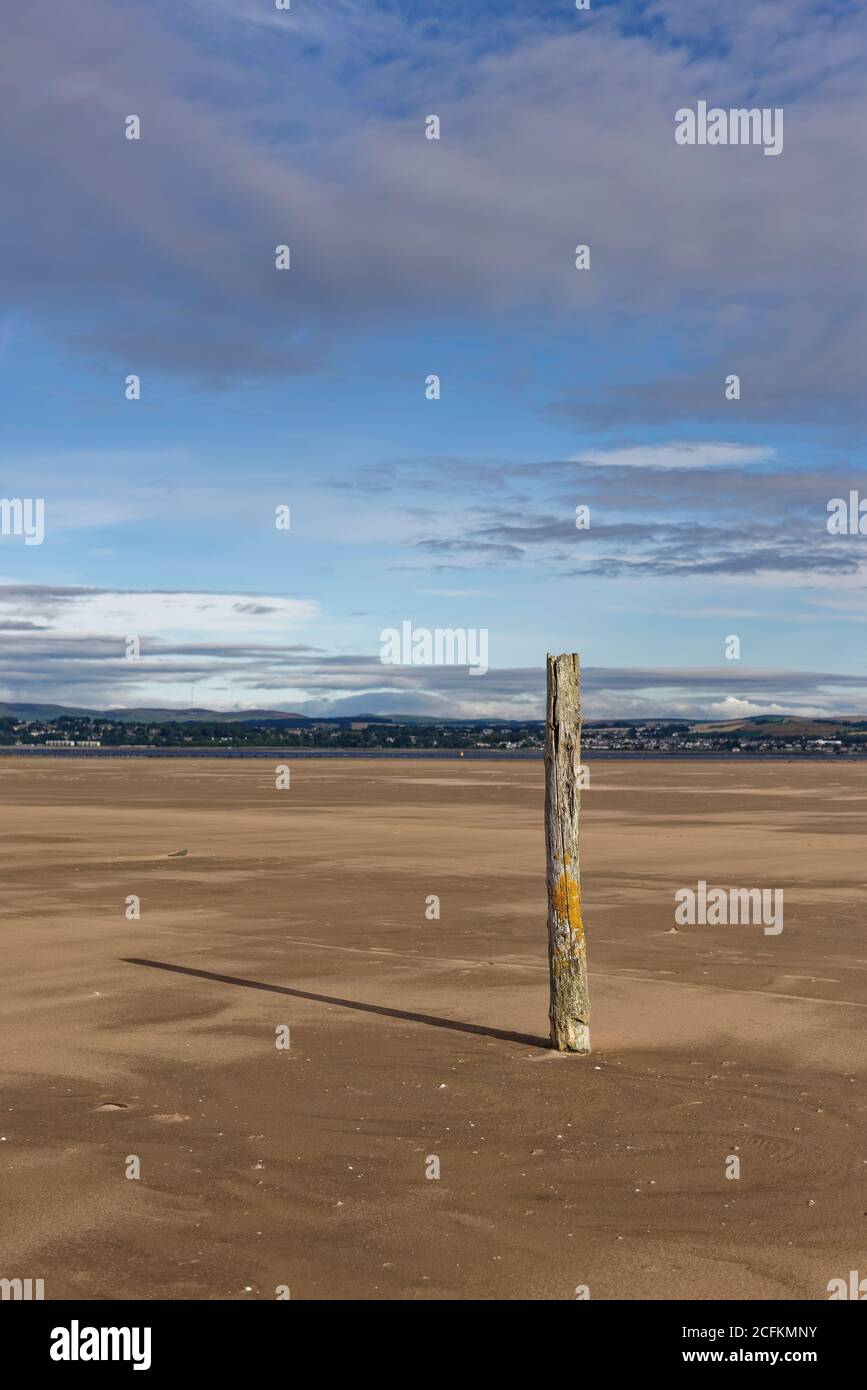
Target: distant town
[{"x": 188, "y": 731}]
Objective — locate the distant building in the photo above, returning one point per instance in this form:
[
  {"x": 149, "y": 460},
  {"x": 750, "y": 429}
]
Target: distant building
[{"x": 72, "y": 743}]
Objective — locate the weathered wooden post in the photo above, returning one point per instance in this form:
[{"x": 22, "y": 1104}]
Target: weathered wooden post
[{"x": 567, "y": 954}]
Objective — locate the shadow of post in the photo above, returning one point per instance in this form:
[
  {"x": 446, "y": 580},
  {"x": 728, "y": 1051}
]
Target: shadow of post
[{"x": 501, "y": 1034}]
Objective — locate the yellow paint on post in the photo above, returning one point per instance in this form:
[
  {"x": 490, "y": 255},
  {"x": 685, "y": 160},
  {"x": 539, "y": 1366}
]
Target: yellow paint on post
[{"x": 567, "y": 903}]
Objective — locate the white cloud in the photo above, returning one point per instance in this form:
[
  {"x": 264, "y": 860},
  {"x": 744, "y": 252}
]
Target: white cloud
[
  {"x": 733, "y": 708},
  {"x": 689, "y": 454},
  {"x": 167, "y": 617}
]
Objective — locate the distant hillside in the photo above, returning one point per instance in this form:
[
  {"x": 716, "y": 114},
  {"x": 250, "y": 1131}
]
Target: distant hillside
[
  {"x": 265, "y": 718},
  {"x": 786, "y": 726},
  {"x": 757, "y": 727},
  {"x": 156, "y": 715}
]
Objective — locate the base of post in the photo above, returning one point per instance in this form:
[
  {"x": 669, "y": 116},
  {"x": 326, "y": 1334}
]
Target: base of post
[{"x": 577, "y": 1040}]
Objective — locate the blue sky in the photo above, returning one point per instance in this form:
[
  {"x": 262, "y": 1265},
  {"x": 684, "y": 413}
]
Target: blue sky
[{"x": 409, "y": 257}]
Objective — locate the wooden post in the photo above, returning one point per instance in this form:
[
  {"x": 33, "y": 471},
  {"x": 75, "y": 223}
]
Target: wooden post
[{"x": 567, "y": 955}]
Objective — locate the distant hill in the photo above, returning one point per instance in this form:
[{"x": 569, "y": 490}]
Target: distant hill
[
  {"x": 786, "y": 726},
  {"x": 146, "y": 715},
  {"x": 32, "y": 713},
  {"x": 761, "y": 726}
]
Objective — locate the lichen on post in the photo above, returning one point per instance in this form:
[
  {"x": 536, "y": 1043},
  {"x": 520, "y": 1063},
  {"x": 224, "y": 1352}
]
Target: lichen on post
[{"x": 567, "y": 952}]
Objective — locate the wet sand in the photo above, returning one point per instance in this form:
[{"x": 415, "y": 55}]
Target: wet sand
[{"x": 413, "y": 1038}]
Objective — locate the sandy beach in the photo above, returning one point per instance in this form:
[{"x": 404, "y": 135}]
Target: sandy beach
[{"x": 304, "y": 1168}]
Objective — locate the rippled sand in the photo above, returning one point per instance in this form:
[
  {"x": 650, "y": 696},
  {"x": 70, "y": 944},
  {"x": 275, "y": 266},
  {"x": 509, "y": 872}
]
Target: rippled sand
[{"x": 414, "y": 1038}]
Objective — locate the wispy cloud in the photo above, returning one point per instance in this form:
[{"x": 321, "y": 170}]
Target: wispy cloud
[
  {"x": 602, "y": 389},
  {"x": 67, "y": 644},
  {"x": 226, "y": 169},
  {"x": 686, "y": 454}
]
